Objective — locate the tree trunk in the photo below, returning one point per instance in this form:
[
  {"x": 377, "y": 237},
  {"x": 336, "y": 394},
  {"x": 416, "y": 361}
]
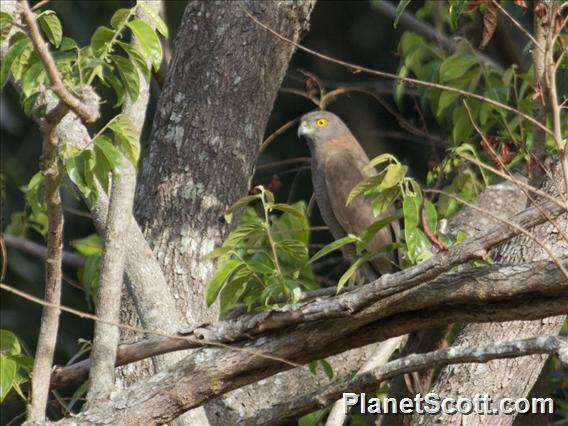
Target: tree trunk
[
  {"x": 512, "y": 378},
  {"x": 210, "y": 121}
]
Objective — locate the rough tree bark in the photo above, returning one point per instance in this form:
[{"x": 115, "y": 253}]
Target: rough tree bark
[
  {"x": 505, "y": 378},
  {"x": 504, "y": 200},
  {"x": 204, "y": 143}
]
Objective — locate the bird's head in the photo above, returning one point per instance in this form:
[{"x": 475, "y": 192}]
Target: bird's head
[{"x": 321, "y": 126}]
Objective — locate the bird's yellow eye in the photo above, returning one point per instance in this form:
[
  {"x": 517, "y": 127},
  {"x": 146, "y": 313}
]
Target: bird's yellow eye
[{"x": 322, "y": 122}]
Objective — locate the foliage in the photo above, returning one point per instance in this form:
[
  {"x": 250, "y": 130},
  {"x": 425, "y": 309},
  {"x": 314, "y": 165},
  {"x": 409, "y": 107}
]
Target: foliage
[
  {"x": 118, "y": 57},
  {"x": 108, "y": 59},
  {"x": 265, "y": 257},
  {"x": 15, "y": 367}
]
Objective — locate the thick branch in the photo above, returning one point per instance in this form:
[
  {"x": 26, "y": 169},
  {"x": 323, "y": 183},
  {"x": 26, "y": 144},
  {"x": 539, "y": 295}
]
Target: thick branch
[
  {"x": 369, "y": 381},
  {"x": 38, "y": 250},
  {"x": 452, "y": 290},
  {"x": 50, "y": 316},
  {"x": 107, "y": 337}
]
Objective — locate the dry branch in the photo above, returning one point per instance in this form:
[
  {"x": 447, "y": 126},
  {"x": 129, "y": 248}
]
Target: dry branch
[
  {"x": 370, "y": 381},
  {"x": 450, "y": 290}
]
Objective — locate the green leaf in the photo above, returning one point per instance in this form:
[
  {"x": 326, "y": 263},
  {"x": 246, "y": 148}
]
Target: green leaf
[
  {"x": 8, "y": 369},
  {"x": 51, "y": 26},
  {"x": 88, "y": 246},
  {"x": 244, "y": 231},
  {"x": 337, "y": 244},
  {"x": 241, "y": 202},
  {"x": 456, "y": 9},
  {"x": 455, "y": 66},
  {"x": 297, "y": 250},
  {"x": 220, "y": 278},
  {"x": 68, "y": 44},
  {"x": 462, "y": 126},
  {"x": 364, "y": 186},
  {"x": 287, "y": 208},
  {"x": 109, "y": 78},
  {"x": 74, "y": 168},
  {"x": 102, "y": 168},
  {"x": 445, "y": 100},
  {"x": 352, "y": 269},
  {"x": 402, "y": 4},
  {"x": 35, "y": 195},
  {"x": 156, "y": 18},
  {"x": 137, "y": 58},
  {"x": 149, "y": 41},
  {"x": 327, "y": 368},
  {"x": 461, "y": 236},
  {"x": 119, "y": 18},
  {"x": 13, "y": 52},
  {"x": 261, "y": 263},
  {"x": 383, "y": 158},
  {"x": 129, "y": 76},
  {"x": 417, "y": 245},
  {"x": 431, "y": 216},
  {"x": 126, "y": 138},
  {"x": 105, "y": 146},
  {"x": 101, "y": 39},
  {"x": 410, "y": 209},
  {"x": 394, "y": 174},
  {"x": 370, "y": 231},
  {"x": 384, "y": 199},
  {"x": 9, "y": 344},
  {"x": 33, "y": 78}
]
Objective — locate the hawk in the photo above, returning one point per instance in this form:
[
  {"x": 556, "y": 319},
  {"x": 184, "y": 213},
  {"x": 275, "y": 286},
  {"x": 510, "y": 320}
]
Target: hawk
[{"x": 337, "y": 162}]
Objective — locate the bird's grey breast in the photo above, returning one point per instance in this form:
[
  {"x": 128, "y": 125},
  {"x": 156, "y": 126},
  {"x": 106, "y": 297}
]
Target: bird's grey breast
[{"x": 322, "y": 198}]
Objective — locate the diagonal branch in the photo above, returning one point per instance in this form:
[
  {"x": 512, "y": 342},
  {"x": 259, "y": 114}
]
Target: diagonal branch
[
  {"x": 447, "y": 290},
  {"x": 369, "y": 381},
  {"x": 88, "y": 112}
]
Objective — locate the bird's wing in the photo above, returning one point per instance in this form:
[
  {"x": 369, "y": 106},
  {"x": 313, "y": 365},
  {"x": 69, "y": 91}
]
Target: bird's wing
[{"x": 344, "y": 170}]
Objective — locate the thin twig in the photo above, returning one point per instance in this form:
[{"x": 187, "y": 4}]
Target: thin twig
[
  {"x": 509, "y": 223},
  {"x": 283, "y": 163},
  {"x": 515, "y": 181},
  {"x": 188, "y": 342},
  {"x": 518, "y": 25},
  {"x": 370, "y": 380},
  {"x": 422, "y": 28},
  {"x": 359, "y": 68},
  {"x": 27, "y": 246},
  {"x": 510, "y": 178},
  {"x": 277, "y": 133},
  {"x": 88, "y": 113},
  {"x": 40, "y": 5}
]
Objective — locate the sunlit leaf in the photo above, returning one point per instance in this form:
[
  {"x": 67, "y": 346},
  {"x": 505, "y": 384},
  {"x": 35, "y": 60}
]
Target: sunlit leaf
[
  {"x": 149, "y": 41},
  {"x": 119, "y": 18},
  {"x": 110, "y": 152},
  {"x": 156, "y": 18},
  {"x": 51, "y": 26},
  {"x": 88, "y": 246},
  {"x": 101, "y": 39},
  {"x": 9, "y": 344},
  {"x": 337, "y": 244},
  {"x": 220, "y": 278},
  {"x": 129, "y": 76},
  {"x": 8, "y": 369},
  {"x": 13, "y": 52}
]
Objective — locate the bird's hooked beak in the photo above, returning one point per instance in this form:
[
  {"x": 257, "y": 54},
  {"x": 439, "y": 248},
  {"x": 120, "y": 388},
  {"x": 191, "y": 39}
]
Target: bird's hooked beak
[{"x": 305, "y": 128}]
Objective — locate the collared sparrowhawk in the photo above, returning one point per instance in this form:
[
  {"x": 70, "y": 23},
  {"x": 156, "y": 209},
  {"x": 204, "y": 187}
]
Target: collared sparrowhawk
[{"x": 337, "y": 162}]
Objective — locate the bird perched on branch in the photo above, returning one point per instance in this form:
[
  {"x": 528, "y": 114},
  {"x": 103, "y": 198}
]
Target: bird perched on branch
[{"x": 337, "y": 166}]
